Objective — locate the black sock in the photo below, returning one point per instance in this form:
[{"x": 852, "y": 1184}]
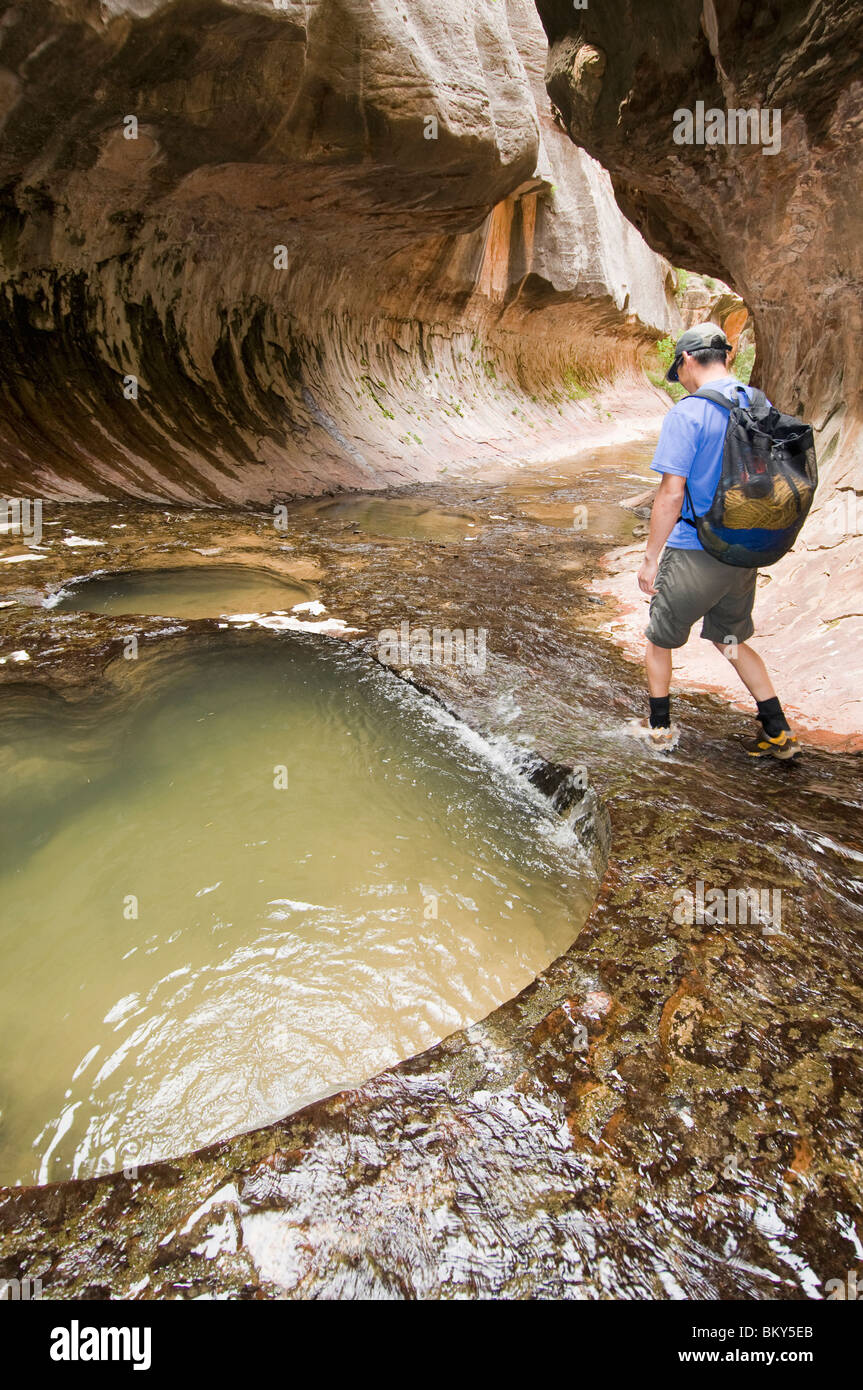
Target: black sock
[
  {"x": 660, "y": 712},
  {"x": 773, "y": 720}
]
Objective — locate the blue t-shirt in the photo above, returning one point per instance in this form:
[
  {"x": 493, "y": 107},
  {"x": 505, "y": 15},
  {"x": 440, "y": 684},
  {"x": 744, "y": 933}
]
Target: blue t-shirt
[{"x": 691, "y": 444}]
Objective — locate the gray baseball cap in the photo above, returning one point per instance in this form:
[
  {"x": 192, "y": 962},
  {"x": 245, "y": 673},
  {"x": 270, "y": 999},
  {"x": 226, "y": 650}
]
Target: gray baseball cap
[{"x": 701, "y": 335}]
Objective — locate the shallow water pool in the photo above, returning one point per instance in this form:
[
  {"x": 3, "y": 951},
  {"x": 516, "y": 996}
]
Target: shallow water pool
[
  {"x": 199, "y": 591},
  {"x": 399, "y": 518},
  {"x": 248, "y": 877}
]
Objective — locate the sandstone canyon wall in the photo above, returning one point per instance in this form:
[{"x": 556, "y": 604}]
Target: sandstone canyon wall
[
  {"x": 782, "y": 228},
  {"x": 346, "y": 245}
]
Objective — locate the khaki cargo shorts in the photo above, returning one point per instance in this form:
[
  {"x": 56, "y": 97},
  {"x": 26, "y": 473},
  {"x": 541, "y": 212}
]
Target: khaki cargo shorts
[{"x": 690, "y": 585}]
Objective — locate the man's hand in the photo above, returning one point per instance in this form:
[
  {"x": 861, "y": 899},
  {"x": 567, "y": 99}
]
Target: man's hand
[{"x": 647, "y": 575}]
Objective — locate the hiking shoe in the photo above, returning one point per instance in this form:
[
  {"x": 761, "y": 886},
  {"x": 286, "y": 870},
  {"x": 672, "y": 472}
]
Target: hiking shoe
[
  {"x": 784, "y": 746},
  {"x": 664, "y": 739}
]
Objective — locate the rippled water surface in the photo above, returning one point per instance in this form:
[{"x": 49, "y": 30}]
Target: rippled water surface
[
  {"x": 267, "y": 876},
  {"x": 203, "y": 591}
]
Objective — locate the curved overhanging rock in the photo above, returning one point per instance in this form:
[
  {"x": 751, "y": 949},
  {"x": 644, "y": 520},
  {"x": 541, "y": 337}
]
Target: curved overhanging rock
[
  {"x": 782, "y": 228},
  {"x": 342, "y": 248},
  {"x": 778, "y": 226},
  {"x": 716, "y": 1083}
]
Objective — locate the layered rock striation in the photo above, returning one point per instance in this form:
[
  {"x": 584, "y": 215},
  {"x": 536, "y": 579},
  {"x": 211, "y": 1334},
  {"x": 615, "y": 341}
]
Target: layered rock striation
[{"x": 254, "y": 250}]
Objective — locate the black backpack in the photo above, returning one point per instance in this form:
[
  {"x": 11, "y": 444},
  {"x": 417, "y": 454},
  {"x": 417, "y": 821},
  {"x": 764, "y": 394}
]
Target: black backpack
[{"x": 765, "y": 490}]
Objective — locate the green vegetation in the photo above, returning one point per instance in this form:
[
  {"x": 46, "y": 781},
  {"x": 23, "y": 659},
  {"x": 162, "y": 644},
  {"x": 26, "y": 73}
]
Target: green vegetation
[
  {"x": 743, "y": 364},
  {"x": 742, "y": 368},
  {"x": 574, "y": 385},
  {"x": 656, "y": 375},
  {"x": 372, "y": 387}
]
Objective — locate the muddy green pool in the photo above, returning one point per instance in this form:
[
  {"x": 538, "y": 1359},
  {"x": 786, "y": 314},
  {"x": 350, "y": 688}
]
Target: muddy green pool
[{"x": 246, "y": 880}]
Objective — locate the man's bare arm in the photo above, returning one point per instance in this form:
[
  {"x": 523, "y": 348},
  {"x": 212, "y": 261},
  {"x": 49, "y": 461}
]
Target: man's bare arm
[{"x": 663, "y": 519}]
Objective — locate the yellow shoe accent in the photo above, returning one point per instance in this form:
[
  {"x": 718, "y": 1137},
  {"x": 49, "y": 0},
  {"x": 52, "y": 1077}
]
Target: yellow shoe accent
[{"x": 784, "y": 746}]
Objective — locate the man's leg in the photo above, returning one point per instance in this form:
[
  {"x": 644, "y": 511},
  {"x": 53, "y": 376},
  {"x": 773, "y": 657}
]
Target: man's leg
[
  {"x": 750, "y": 668},
  {"x": 658, "y": 663},
  {"x": 673, "y": 610}
]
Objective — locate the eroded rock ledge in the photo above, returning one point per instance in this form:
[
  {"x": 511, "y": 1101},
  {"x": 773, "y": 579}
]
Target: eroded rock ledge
[{"x": 343, "y": 249}]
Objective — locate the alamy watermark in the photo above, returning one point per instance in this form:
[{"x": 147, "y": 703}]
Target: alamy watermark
[
  {"x": 731, "y": 906},
  {"x": 737, "y": 126},
  {"x": 843, "y": 514},
  {"x": 126, "y": 1159},
  {"x": 77, "y": 1343},
  {"x": 407, "y": 646},
  {"x": 23, "y": 1290},
  {"x": 22, "y": 516},
  {"x": 847, "y": 1288}
]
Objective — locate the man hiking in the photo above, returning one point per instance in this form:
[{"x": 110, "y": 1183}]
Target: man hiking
[{"x": 688, "y": 583}]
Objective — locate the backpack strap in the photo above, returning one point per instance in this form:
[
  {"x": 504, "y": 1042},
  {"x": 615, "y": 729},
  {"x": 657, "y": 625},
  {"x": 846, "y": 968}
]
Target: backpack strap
[
  {"x": 717, "y": 398},
  {"x": 687, "y": 495}
]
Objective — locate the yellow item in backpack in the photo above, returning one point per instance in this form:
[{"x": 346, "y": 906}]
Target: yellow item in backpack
[{"x": 779, "y": 508}]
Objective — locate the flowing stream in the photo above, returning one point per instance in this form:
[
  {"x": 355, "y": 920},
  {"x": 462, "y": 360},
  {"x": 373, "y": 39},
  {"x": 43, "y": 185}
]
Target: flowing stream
[{"x": 703, "y": 1142}]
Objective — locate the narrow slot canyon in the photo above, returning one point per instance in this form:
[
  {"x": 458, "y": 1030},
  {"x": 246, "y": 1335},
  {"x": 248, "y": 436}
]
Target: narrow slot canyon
[{"x": 357, "y": 946}]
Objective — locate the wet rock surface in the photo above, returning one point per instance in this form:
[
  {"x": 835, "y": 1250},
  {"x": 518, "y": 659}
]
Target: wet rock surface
[{"x": 671, "y": 1110}]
